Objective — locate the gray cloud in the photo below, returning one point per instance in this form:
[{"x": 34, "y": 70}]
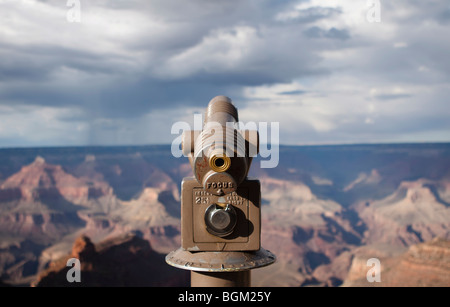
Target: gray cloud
[
  {"x": 294, "y": 92},
  {"x": 316, "y": 32},
  {"x": 131, "y": 61},
  {"x": 116, "y": 82},
  {"x": 392, "y": 96}
]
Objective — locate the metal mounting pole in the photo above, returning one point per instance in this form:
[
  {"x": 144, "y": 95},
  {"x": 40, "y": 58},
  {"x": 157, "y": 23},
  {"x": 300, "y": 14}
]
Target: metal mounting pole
[{"x": 221, "y": 279}]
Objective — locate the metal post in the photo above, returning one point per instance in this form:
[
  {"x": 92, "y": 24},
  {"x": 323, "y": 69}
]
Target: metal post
[{"x": 221, "y": 279}]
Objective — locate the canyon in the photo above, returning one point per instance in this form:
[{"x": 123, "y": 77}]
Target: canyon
[{"x": 326, "y": 210}]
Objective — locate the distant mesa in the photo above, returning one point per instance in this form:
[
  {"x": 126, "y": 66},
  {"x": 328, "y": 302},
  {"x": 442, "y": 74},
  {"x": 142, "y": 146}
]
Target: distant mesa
[
  {"x": 41, "y": 180},
  {"x": 370, "y": 179},
  {"x": 39, "y": 160},
  {"x": 412, "y": 214}
]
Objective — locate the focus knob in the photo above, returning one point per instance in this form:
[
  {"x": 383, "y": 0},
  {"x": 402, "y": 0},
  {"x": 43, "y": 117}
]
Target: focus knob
[{"x": 220, "y": 219}]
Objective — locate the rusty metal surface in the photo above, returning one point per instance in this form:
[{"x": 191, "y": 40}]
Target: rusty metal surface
[{"x": 220, "y": 261}]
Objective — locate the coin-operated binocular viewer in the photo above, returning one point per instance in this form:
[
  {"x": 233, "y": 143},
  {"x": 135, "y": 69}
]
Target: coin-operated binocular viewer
[{"x": 220, "y": 205}]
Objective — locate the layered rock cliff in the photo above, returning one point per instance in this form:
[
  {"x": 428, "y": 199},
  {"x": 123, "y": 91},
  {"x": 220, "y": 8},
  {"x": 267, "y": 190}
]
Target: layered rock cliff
[
  {"x": 414, "y": 213},
  {"x": 422, "y": 265},
  {"x": 123, "y": 261}
]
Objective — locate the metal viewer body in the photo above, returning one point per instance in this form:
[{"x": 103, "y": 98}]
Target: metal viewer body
[{"x": 220, "y": 205}]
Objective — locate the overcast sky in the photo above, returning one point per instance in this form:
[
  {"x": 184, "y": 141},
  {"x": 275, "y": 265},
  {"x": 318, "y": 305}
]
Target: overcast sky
[{"x": 327, "y": 71}]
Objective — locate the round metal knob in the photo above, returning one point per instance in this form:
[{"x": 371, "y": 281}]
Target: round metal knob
[{"x": 220, "y": 219}]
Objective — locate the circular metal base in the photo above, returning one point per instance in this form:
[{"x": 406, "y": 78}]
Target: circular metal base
[{"x": 220, "y": 261}]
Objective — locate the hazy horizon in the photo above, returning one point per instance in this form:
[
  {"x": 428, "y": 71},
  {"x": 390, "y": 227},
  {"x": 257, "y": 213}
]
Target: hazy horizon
[{"x": 280, "y": 145}]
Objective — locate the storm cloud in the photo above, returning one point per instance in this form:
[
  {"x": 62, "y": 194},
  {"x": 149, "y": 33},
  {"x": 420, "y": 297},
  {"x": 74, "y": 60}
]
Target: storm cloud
[{"x": 129, "y": 69}]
